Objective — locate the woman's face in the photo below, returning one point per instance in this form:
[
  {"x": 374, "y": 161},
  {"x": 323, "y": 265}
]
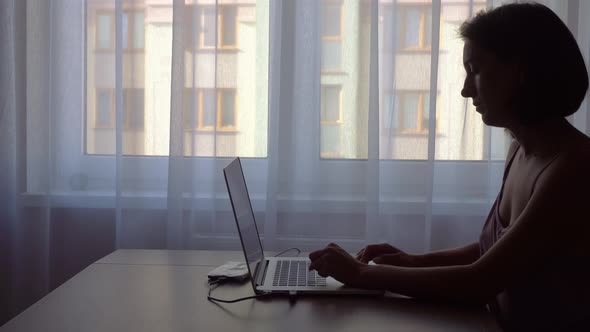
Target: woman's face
[{"x": 491, "y": 84}]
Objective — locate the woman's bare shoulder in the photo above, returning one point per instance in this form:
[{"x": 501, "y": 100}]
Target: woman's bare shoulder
[
  {"x": 577, "y": 155},
  {"x": 570, "y": 169}
]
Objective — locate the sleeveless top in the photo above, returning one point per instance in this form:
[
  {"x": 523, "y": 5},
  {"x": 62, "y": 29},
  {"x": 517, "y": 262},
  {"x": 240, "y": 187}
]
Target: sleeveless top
[{"x": 556, "y": 297}]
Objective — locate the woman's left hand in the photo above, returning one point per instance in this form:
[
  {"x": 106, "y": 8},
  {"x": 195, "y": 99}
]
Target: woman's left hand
[{"x": 335, "y": 262}]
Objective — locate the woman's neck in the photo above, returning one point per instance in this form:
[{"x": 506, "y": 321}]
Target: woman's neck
[{"x": 543, "y": 138}]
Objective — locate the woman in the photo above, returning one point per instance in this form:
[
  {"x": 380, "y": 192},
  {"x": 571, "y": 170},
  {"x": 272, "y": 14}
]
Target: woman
[{"x": 531, "y": 265}]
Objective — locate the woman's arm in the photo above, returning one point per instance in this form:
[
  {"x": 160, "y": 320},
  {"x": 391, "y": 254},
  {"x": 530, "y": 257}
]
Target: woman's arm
[
  {"x": 384, "y": 253},
  {"x": 553, "y": 221},
  {"x": 457, "y": 283},
  {"x": 457, "y": 256}
]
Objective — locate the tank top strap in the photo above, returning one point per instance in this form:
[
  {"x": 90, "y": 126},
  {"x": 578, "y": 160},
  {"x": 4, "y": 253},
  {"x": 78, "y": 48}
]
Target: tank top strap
[
  {"x": 509, "y": 163},
  {"x": 506, "y": 170}
]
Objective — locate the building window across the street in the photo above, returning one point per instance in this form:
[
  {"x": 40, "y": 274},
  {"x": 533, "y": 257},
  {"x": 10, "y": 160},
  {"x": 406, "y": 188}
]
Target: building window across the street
[
  {"x": 133, "y": 108},
  {"x": 132, "y": 30},
  {"x": 406, "y": 112},
  {"x": 200, "y": 26},
  {"x": 209, "y": 109},
  {"x": 331, "y": 121},
  {"x": 332, "y": 25},
  {"x": 415, "y": 27}
]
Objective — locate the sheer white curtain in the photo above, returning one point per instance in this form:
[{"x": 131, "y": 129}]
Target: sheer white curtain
[{"x": 118, "y": 117}]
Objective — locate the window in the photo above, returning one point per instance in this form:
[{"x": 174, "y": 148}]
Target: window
[
  {"x": 133, "y": 109},
  {"x": 200, "y": 32},
  {"x": 105, "y": 31},
  {"x": 145, "y": 55},
  {"x": 331, "y": 121},
  {"x": 104, "y": 110},
  {"x": 409, "y": 114},
  {"x": 389, "y": 34},
  {"x": 132, "y": 30},
  {"x": 415, "y": 27},
  {"x": 206, "y": 109},
  {"x": 331, "y": 35},
  {"x": 228, "y": 34}
]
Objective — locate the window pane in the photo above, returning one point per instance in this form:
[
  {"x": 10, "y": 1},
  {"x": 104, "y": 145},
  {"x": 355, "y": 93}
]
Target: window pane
[
  {"x": 125, "y": 29},
  {"x": 331, "y": 20},
  {"x": 411, "y": 72},
  {"x": 462, "y": 134},
  {"x": 228, "y": 37},
  {"x": 390, "y": 111},
  {"x": 428, "y": 27},
  {"x": 209, "y": 108},
  {"x": 388, "y": 28},
  {"x": 190, "y": 109},
  {"x": 135, "y": 110},
  {"x": 103, "y": 109},
  {"x": 138, "y": 30},
  {"x": 410, "y": 111},
  {"x": 330, "y": 121},
  {"x": 330, "y": 110},
  {"x": 192, "y": 16},
  {"x": 412, "y": 28},
  {"x": 103, "y": 31},
  {"x": 331, "y": 54},
  {"x": 209, "y": 27},
  {"x": 396, "y": 113},
  {"x": 330, "y": 140},
  {"x": 213, "y": 83},
  {"x": 228, "y": 105}
]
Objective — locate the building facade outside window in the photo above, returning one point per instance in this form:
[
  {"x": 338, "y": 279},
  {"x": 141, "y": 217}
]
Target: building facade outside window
[
  {"x": 410, "y": 113},
  {"x": 208, "y": 109},
  {"x": 133, "y": 108},
  {"x": 201, "y": 21},
  {"x": 132, "y": 34},
  {"x": 331, "y": 121},
  {"x": 332, "y": 26},
  {"x": 415, "y": 27}
]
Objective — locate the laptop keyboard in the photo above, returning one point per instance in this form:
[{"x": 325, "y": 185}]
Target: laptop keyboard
[{"x": 296, "y": 273}]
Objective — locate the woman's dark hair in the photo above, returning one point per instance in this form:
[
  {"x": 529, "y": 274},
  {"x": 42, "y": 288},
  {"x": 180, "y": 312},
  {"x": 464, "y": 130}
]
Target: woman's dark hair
[{"x": 533, "y": 36}]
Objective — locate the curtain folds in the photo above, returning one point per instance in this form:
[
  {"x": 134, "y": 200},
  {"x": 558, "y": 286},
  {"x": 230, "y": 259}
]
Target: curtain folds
[{"x": 118, "y": 116}]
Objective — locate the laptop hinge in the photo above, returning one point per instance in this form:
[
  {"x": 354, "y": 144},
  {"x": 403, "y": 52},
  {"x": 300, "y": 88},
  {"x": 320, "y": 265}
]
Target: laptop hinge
[{"x": 261, "y": 272}]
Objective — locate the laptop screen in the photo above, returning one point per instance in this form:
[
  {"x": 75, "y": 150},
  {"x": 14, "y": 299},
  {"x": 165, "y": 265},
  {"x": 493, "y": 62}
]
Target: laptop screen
[{"x": 238, "y": 194}]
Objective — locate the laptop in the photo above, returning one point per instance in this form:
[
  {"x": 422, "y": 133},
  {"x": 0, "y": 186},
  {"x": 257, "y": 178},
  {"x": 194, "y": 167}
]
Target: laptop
[{"x": 274, "y": 274}]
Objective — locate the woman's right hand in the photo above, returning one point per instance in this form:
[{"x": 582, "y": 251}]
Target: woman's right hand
[{"x": 384, "y": 253}]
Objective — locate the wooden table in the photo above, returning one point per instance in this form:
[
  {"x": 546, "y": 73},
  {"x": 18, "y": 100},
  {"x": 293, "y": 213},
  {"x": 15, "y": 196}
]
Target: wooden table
[{"x": 166, "y": 290}]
